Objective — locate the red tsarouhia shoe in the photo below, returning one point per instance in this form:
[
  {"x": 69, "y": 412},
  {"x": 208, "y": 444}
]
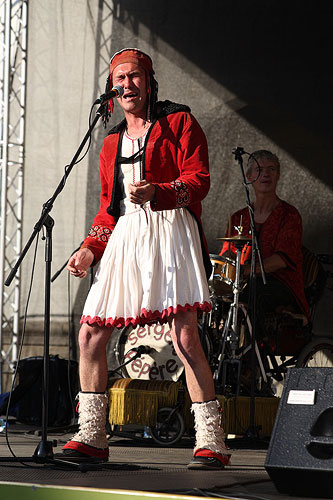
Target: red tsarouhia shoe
[
  {"x": 207, "y": 459},
  {"x": 210, "y": 450},
  {"x": 90, "y": 442},
  {"x": 74, "y": 449}
]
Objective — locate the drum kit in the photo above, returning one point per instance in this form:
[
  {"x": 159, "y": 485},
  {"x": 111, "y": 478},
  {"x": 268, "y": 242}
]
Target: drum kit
[{"x": 147, "y": 353}]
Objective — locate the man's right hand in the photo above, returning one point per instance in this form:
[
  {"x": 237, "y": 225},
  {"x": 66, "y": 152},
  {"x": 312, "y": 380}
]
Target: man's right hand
[{"x": 80, "y": 262}]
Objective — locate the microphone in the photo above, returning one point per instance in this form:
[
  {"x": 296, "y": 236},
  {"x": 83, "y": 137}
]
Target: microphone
[
  {"x": 143, "y": 349},
  {"x": 238, "y": 151},
  {"x": 117, "y": 91}
]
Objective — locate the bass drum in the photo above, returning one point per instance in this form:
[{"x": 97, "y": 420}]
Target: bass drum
[
  {"x": 161, "y": 363},
  {"x": 159, "y": 360}
]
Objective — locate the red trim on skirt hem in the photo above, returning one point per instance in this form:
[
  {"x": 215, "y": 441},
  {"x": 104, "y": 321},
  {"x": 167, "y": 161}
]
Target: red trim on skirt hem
[{"x": 146, "y": 317}]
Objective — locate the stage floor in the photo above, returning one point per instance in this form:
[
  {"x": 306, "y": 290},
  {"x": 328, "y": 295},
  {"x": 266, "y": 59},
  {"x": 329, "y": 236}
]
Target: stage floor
[{"x": 138, "y": 465}]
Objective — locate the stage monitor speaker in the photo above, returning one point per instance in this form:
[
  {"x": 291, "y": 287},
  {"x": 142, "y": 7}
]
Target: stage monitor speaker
[
  {"x": 63, "y": 387},
  {"x": 300, "y": 455}
]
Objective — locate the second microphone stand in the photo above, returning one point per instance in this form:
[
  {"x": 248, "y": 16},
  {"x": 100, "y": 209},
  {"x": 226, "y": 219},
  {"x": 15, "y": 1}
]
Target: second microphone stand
[{"x": 252, "y": 432}]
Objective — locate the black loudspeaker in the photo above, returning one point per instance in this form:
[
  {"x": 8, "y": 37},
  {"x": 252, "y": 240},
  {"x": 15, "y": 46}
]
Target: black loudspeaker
[
  {"x": 300, "y": 455},
  {"x": 63, "y": 387}
]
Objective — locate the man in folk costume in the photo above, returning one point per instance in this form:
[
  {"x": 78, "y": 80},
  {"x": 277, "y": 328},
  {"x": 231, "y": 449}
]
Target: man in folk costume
[{"x": 152, "y": 253}]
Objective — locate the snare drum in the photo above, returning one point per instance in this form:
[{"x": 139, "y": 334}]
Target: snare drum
[
  {"x": 161, "y": 363},
  {"x": 223, "y": 275}
]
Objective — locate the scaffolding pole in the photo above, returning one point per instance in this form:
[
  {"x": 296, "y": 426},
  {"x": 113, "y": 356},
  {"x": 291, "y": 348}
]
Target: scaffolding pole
[{"x": 13, "y": 56}]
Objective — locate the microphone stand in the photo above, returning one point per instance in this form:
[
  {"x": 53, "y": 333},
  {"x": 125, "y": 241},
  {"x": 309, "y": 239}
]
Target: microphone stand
[
  {"x": 252, "y": 432},
  {"x": 44, "y": 451}
]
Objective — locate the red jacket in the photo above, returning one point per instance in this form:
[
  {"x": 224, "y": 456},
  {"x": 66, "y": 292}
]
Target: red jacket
[
  {"x": 281, "y": 233},
  {"x": 175, "y": 159}
]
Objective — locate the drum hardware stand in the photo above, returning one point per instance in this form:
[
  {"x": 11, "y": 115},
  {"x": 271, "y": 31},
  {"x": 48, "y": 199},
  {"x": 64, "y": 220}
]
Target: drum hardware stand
[
  {"x": 44, "y": 451},
  {"x": 232, "y": 320},
  {"x": 234, "y": 363}
]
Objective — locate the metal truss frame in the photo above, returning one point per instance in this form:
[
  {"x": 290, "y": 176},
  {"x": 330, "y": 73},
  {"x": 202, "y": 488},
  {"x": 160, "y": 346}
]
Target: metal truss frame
[{"x": 13, "y": 59}]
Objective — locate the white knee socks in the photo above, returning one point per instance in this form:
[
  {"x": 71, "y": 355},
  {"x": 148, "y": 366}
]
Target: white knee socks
[
  {"x": 209, "y": 432},
  {"x": 92, "y": 412}
]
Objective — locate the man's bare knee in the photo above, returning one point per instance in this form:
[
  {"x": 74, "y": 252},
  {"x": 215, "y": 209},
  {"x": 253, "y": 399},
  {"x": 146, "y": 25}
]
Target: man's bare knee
[
  {"x": 93, "y": 336},
  {"x": 185, "y": 337}
]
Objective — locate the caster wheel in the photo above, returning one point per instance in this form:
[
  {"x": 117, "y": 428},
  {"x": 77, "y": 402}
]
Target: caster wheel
[{"x": 169, "y": 427}]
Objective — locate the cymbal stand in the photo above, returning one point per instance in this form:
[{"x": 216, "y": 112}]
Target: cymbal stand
[{"x": 231, "y": 332}]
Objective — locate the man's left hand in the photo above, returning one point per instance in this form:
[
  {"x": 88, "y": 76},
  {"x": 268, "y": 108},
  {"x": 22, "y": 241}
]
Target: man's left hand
[{"x": 140, "y": 192}]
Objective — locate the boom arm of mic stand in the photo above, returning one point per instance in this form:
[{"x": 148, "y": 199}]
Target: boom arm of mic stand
[{"x": 55, "y": 276}]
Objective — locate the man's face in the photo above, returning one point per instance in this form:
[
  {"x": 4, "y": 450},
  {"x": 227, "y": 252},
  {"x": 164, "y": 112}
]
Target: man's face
[
  {"x": 132, "y": 78},
  {"x": 268, "y": 178}
]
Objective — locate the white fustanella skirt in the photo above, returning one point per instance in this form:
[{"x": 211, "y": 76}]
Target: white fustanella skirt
[{"x": 152, "y": 267}]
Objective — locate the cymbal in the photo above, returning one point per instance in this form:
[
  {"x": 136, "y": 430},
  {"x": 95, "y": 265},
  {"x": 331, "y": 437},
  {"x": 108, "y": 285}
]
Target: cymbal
[{"x": 234, "y": 239}]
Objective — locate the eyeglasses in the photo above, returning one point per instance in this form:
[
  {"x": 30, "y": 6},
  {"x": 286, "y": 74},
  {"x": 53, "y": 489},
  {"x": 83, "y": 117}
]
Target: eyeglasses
[{"x": 271, "y": 169}]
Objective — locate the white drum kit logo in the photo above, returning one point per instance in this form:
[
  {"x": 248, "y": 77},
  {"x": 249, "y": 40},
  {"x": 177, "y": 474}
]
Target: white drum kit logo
[{"x": 158, "y": 361}]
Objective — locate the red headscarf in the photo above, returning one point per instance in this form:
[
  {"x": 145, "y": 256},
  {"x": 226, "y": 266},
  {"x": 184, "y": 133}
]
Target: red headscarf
[{"x": 131, "y": 55}]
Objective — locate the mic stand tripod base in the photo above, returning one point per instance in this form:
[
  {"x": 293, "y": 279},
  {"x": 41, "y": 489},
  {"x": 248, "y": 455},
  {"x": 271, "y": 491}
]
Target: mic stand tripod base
[
  {"x": 44, "y": 456},
  {"x": 44, "y": 451}
]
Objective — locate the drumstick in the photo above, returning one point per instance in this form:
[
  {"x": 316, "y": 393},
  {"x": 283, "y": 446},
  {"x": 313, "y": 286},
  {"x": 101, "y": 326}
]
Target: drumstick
[
  {"x": 229, "y": 234},
  {"x": 229, "y": 227}
]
